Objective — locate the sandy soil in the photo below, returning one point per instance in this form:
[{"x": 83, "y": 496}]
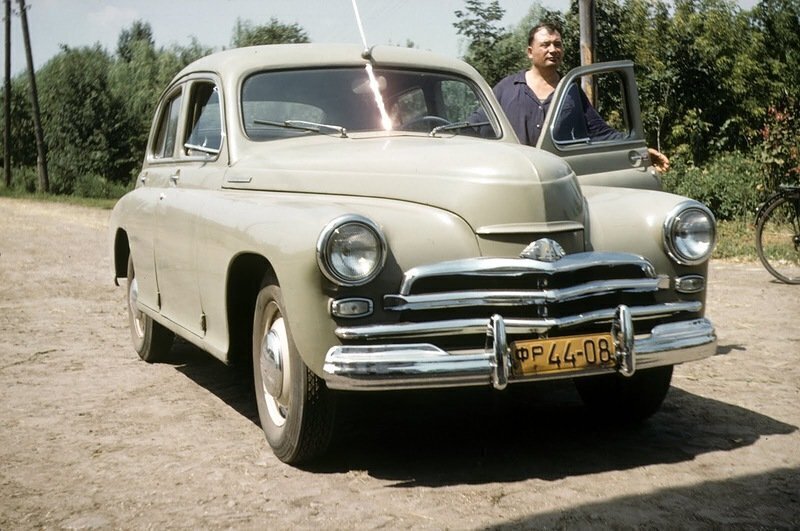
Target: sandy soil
[{"x": 91, "y": 437}]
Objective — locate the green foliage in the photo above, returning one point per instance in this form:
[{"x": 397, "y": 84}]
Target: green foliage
[
  {"x": 86, "y": 128},
  {"x": 140, "y": 33},
  {"x": 492, "y": 50},
  {"x": 778, "y": 21},
  {"x": 245, "y": 33},
  {"x": 98, "y": 187},
  {"x": 779, "y": 153},
  {"x": 23, "y": 142},
  {"x": 730, "y": 185},
  {"x": 25, "y": 179}
]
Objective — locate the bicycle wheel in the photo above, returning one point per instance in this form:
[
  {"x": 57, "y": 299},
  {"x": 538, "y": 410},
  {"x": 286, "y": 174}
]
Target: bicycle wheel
[{"x": 778, "y": 239}]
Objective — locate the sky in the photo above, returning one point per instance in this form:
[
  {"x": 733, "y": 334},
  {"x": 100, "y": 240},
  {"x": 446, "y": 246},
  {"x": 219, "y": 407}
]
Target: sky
[{"x": 76, "y": 23}]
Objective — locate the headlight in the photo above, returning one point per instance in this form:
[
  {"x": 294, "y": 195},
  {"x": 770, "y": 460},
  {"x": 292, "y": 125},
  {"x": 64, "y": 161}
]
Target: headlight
[
  {"x": 351, "y": 250},
  {"x": 690, "y": 233}
]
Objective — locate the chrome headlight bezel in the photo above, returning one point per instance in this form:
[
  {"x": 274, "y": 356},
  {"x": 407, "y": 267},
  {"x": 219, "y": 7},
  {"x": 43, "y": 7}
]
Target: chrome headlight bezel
[
  {"x": 681, "y": 224},
  {"x": 326, "y": 250}
]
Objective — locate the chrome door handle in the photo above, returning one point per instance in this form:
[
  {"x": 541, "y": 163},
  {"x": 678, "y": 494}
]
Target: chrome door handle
[{"x": 637, "y": 158}]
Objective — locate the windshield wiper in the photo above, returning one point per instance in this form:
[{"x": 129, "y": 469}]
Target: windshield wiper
[
  {"x": 457, "y": 126},
  {"x": 307, "y": 126}
]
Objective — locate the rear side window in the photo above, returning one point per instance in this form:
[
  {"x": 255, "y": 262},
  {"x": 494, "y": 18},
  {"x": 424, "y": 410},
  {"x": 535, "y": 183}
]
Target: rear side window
[{"x": 164, "y": 146}]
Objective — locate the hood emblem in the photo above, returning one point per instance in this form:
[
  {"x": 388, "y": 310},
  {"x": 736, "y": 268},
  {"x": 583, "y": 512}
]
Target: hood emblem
[{"x": 543, "y": 250}]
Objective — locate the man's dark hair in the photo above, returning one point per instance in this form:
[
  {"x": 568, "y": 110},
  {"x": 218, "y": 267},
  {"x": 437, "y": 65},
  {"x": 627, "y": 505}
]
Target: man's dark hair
[{"x": 549, "y": 26}]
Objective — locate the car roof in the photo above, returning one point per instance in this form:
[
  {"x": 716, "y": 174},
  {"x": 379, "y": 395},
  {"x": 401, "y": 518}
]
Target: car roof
[{"x": 238, "y": 61}]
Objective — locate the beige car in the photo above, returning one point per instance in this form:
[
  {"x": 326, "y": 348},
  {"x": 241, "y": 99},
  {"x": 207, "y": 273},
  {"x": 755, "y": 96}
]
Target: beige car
[{"x": 367, "y": 220}]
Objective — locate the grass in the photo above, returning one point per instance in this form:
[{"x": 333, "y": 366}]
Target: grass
[
  {"x": 106, "y": 204},
  {"x": 736, "y": 240}
]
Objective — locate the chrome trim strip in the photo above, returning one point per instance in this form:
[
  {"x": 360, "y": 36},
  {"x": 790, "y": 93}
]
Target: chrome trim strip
[
  {"x": 514, "y": 267},
  {"x": 460, "y": 299},
  {"x": 513, "y": 326},
  {"x": 426, "y": 366},
  {"x": 545, "y": 227}
]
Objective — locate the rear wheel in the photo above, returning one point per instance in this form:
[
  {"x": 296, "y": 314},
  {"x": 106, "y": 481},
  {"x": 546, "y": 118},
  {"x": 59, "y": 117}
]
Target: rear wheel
[
  {"x": 295, "y": 408},
  {"x": 778, "y": 239},
  {"x": 150, "y": 340},
  {"x": 626, "y": 400}
]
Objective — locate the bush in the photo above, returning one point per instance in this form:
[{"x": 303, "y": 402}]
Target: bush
[
  {"x": 730, "y": 185},
  {"x": 97, "y": 187},
  {"x": 24, "y": 179}
]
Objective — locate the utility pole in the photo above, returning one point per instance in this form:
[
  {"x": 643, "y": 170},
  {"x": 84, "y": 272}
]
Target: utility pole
[
  {"x": 587, "y": 23},
  {"x": 41, "y": 150},
  {"x": 7, "y": 99}
]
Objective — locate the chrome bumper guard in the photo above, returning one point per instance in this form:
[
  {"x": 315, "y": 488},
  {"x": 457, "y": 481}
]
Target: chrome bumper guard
[{"x": 413, "y": 366}]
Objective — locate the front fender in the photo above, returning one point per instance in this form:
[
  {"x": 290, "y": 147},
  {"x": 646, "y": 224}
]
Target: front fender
[
  {"x": 628, "y": 220},
  {"x": 284, "y": 229}
]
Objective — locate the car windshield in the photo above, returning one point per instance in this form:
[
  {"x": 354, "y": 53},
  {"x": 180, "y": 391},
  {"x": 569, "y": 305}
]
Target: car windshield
[{"x": 360, "y": 99}]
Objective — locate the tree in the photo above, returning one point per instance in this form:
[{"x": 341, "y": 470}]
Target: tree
[
  {"x": 491, "y": 49},
  {"x": 778, "y": 21},
  {"x": 140, "y": 33},
  {"x": 245, "y": 33},
  {"x": 23, "y": 142},
  {"x": 86, "y": 126}
]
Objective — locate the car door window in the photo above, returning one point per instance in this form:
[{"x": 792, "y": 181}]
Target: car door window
[
  {"x": 204, "y": 131},
  {"x": 578, "y": 121},
  {"x": 164, "y": 145}
]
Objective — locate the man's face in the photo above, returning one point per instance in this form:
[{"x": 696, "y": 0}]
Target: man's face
[{"x": 546, "y": 50}]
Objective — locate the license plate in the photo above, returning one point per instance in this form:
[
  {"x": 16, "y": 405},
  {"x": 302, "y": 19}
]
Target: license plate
[{"x": 562, "y": 354}]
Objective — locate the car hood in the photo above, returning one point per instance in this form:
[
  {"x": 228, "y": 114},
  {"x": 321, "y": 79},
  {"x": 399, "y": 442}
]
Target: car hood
[{"x": 490, "y": 184}]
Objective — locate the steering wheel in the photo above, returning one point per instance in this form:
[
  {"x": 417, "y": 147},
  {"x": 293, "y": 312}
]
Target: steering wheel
[{"x": 424, "y": 123}]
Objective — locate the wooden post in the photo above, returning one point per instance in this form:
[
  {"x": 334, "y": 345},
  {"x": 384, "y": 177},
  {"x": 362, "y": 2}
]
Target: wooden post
[
  {"x": 7, "y": 99},
  {"x": 41, "y": 150},
  {"x": 587, "y": 22}
]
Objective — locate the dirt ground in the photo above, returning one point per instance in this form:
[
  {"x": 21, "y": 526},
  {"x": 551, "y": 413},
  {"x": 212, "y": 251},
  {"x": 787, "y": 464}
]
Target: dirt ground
[{"x": 92, "y": 437}]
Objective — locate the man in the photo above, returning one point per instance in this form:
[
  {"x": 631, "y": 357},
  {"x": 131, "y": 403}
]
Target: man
[{"x": 526, "y": 96}]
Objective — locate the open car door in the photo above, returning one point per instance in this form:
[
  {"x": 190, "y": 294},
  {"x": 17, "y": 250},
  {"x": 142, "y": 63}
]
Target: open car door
[{"x": 604, "y": 143}]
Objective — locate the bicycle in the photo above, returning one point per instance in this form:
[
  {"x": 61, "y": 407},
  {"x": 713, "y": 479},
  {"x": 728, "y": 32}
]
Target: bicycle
[{"x": 778, "y": 234}]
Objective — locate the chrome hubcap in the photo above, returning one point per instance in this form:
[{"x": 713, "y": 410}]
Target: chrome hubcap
[
  {"x": 274, "y": 369},
  {"x": 272, "y": 364},
  {"x": 136, "y": 314}
]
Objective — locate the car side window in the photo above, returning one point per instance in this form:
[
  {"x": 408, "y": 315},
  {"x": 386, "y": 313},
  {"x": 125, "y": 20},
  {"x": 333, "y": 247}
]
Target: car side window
[
  {"x": 204, "y": 123},
  {"x": 578, "y": 121},
  {"x": 164, "y": 145}
]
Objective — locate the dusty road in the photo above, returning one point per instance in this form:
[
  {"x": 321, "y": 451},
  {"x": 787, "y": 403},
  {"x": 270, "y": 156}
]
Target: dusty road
[{"x": 91, "y": 437}]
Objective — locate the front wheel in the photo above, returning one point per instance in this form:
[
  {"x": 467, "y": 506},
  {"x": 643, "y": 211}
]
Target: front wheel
[
  {"x": 778, "y": 239},
  {"x": 150, "y": 340},
  {"x": 625, "y": 400},
  {"x": 295, "y": 408}
]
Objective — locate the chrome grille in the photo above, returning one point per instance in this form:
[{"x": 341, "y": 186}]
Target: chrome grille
[{"x": 578, "y": 293}]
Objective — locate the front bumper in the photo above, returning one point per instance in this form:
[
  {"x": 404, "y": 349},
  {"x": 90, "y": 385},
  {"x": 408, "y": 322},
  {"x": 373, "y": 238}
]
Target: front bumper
[{"x": 423, "y": 365}]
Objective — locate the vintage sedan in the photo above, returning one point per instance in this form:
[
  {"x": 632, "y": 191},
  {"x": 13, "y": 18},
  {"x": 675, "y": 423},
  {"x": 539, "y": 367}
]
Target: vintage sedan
[{"x": 342, "y": 219}]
